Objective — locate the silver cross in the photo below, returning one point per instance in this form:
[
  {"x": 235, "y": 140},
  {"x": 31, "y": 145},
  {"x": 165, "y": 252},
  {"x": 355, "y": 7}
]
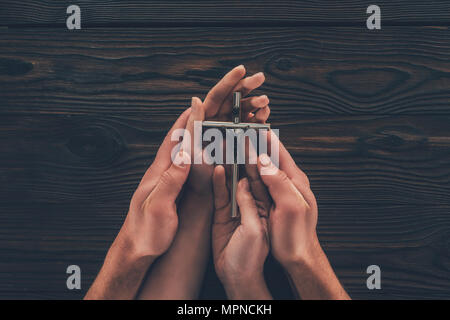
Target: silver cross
[{"x": 235, "y": 124}]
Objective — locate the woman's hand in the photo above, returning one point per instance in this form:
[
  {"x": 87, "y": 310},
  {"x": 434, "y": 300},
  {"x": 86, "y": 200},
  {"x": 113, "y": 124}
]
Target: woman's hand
[{"x": 240, "y": 246}]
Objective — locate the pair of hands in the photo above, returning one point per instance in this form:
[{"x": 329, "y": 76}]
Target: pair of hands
[{"x": 277, "y": 210}]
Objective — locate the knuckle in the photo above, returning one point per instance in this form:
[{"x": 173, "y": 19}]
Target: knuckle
[
  {"x": 288, "y": 210},
  {"x": 283, "y": 178},
  {"x": 256, "y": 232},
  {"x": 145, "y": 206},
  {"x": 302, "y": 179},
  {"x": 158, "y": 208},
  {"x": 253, "y": 102},
  {"x": 243, "y": 197},
  {"x": 154, "y": 206},
  {"x": 167, "y": 178},
  {"x": 158, "y": 211},
  {"x": 213, "y": 96},
  {"x": 305, "y": 179}
]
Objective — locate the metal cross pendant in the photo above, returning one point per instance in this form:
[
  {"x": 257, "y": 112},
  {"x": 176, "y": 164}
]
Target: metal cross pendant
[{"x": 235, "y": 124}]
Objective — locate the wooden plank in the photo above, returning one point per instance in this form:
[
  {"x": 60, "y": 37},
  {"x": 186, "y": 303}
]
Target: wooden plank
[
  {"x": 409, "y": 243},
  {"x": 354, "y": 159},
  {"x": 230, "y": 13},
  {"x": 364, "y": 114},
  {"x": 402, "y": 70}
]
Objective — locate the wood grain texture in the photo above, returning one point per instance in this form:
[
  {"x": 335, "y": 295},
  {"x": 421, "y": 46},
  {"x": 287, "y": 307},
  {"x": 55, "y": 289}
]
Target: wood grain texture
[
  {"x": 228, "y": 12},
  {"x": 403, "y": 70},
  {"x": 355, "y": 159},
  {"x": 382, "y": 185},
  {"x": 409, "y": 243},
  {"x": 365, "y": 115}
]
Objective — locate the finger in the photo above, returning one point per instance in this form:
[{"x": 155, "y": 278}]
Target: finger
[
  {"x": 295, "y": 174},
  {"x": 247, "y": 204},
  {"x": 257, "y": 187},
  {"x": 249, "y": 117},
  {"x": 200, "y": 178},
  {"x": 245, "y": 86},
  {"x": 193, "y": 124},
  {"x": 172, "y": 180},
  {"x": 222, "y": 89},
  {"x": 221, "y": 196},
  {"x": 252, "y": 104},
  {"x": 163, "y": 158},
  {"x": 286, "y": 162},
  {"x": 228, "y": 174},
  {"x": 280, "y": 187},
  {"x": 251, "y": 160},
  {"x": 261, "y": 115}
]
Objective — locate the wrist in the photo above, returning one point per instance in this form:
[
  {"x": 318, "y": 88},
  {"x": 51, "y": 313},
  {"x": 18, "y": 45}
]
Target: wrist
[
  {"x": 129, "y": 251},
  {"x": 313, "y": 276},
  {"x": 311, "y": 254},
  {"x": 247, "y": 288},
  {"x": 201, "y": 188},
  {"x": 196, "y": 211},
  {"x": 121, "y": 274}
]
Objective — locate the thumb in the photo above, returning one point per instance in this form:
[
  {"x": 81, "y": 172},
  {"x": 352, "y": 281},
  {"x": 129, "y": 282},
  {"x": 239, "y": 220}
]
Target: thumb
[
  {"x": 173, "y": 179},
  {"x": 221, "y": 196},
  {"x": 197, "y": 115},
  {"x": 280, "y": 187},
  {"x": 247, "y": 204}
]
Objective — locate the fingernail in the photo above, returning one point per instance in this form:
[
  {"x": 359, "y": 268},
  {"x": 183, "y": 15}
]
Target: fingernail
[
  {"x": 182, "y": 159},
  {"x": 244, "y": 184},
  {"x": 260, "y": 75},
  {"x": 241, "y": 66},
  {"x": 265, "y": 160},
  {"x": 266, "y": 98},
  {"x": 194, "y": 104}
]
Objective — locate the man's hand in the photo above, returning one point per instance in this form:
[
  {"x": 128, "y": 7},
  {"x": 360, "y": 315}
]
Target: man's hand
[
  {"x": 149, "y": 227},
  {"x": 292, "y": 225},
  {"x": 240, "y": 247},
  {"x": 293, "y": 216},
  {"x": 151, "y": 224}
]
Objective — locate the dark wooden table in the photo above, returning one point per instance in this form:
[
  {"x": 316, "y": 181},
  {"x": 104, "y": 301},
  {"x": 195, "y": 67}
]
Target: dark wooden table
[{"x": 365, "y": 113}]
